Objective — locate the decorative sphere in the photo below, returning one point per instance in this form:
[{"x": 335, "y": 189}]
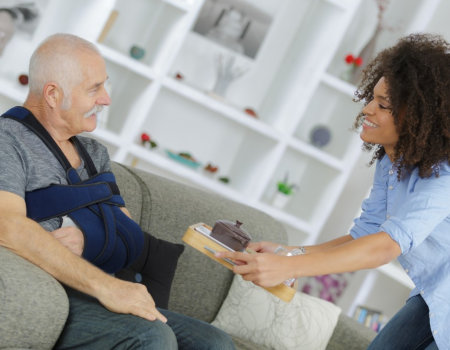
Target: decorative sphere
[
  {"x": 320, "y": 136},
  {"x": 23, "y": 79},
  {"x": 137, "y": 52}
]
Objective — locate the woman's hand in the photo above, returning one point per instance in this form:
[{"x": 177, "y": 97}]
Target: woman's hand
[
  {"x": 263, "y": 247},
  {"x": 263, "y": 269}
]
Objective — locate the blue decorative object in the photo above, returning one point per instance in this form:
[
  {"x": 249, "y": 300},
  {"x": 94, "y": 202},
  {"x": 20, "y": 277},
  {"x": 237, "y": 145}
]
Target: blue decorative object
[
  {"x": 183, "y": 160},
  {"x": 137, "y": 52},
  {"x": 320, "y": 136}
]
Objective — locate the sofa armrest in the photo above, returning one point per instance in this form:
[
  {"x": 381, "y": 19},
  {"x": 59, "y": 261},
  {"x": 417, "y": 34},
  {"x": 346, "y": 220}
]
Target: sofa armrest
[
  {"x": 33, "y": 305},
  {"x": 350, "y": 335}
]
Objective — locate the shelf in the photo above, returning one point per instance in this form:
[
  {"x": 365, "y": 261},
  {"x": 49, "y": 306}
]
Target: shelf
[
  {"x": 126, "y": 62},
  {"x": 182, "y": 5},
  {"x": 316, "y": 153},
  {"x": 13, "y": 91},
  {"x": 339, "y": 85},
  {"x": 218, "y": 105},
  {"x": 141, "y": 156}
]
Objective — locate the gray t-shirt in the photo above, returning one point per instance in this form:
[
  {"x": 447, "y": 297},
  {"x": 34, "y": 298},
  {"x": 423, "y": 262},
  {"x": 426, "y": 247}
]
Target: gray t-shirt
[{"x": 26, "y": 164}]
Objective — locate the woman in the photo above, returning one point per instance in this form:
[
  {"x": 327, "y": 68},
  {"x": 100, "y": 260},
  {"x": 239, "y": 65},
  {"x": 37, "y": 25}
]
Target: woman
[{"x": 405, "y": 121}]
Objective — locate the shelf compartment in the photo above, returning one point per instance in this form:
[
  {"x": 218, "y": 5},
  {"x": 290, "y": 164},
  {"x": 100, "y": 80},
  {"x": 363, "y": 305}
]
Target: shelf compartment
[
  {"x": 336, "y": 115},
  {"x": 148, "y": 24},
  {"x": 308, "y": 53},
  {"x": 398, "y": 20},
  {"x": 129, "y": 92},
  {"x": 315, "y": 185},
  {"x": 181, "y": 125},
  {"x": 197, "y": 60}
]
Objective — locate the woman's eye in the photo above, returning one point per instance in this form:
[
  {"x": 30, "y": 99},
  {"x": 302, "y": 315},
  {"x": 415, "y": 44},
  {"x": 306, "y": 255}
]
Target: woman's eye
[{"x": 383, "y": 107}]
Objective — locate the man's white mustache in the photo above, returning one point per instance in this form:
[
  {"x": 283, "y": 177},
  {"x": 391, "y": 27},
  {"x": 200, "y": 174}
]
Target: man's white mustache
[{"x": 96, "y": 110}]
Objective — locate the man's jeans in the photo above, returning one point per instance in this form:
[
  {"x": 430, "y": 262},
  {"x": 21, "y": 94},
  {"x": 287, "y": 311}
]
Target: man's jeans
[
  {"x": 409, "y": 329},
  {"x": 91, "y": 326}
]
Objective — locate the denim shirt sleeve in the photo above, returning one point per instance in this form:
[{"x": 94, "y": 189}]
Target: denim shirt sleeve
[
  {"x": 425, "y": 205},
  {"x": 373, "y": 209}
]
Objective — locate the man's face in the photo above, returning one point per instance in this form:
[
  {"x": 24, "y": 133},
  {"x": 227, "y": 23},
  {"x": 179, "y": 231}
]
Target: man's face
[{"x": 88, "y": 97}]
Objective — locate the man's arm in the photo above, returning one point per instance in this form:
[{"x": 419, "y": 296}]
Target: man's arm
[{"x": 29, "y": 240}]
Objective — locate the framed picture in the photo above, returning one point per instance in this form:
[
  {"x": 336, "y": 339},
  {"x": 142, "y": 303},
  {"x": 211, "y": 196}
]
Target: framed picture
[{"x": 237, "y": 24}]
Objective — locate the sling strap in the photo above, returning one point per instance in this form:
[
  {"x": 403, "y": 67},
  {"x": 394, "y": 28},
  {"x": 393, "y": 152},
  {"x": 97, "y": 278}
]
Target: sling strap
[{"x": 111, "y": 239}]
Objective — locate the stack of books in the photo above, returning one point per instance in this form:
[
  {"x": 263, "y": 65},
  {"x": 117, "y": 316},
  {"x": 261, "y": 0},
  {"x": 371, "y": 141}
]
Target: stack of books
[{"x": 374, "y": 319}]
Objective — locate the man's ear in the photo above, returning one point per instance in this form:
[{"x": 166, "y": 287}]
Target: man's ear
[{"x": 52, "y": 94}]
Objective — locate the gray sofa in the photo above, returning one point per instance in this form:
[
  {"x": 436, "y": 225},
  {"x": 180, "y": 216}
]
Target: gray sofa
[{"x": 33, "y": 306}]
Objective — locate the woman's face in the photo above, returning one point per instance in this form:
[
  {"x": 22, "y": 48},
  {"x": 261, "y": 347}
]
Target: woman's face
[{"x": 378, "y": 126}]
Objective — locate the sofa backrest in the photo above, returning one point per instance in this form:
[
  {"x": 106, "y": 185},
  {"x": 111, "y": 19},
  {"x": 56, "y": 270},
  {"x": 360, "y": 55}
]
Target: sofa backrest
[{"x": 165, "y": 209}]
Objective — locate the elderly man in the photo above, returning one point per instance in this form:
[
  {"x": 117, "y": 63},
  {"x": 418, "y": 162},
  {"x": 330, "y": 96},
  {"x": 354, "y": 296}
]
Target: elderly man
[{"x": 39, "y": 149}]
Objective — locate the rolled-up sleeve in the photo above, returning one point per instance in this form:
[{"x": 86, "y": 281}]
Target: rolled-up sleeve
[
  {"x": 373, "y": 209},
  {"x": 424, "y": 206}
]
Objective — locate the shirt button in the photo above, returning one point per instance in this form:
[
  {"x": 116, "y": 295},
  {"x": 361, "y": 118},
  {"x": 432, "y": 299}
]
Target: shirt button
[
  {"x": 391, "y": 172},
  {"x": 390, "y": 187},
  {"x": 406, "y": 270},
  {"x": 435, "y": 332},
  {"x": 388, "y": 216},
  {"x": 431, "y": 314},
  {"x": 422, "y": 292}
]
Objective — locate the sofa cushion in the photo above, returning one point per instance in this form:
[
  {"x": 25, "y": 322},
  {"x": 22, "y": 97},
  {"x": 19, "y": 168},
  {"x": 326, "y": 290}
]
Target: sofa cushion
[
  {"x": 155, "y": 268},
  {"x": 33, "y": 305},
  {"x": 253, "y": 314}
]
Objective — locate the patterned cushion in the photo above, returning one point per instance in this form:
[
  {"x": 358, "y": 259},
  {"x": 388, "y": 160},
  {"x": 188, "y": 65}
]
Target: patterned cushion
[{"x": 251, "y": 313}]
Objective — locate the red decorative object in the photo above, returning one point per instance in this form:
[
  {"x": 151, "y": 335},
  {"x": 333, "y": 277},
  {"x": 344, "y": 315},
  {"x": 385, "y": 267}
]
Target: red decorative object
[
  {"x": 23, "y": 79},
  {"x": 147, "y": 141},
  {"x": 349, "y": 58},
  {"x": 211, "y": 168},
  {"x": 355, "y": 61},
  {"x": 179, "y": 76},
  {"x": 251, "y": 112},
  {"x": 145, "y": 137}
]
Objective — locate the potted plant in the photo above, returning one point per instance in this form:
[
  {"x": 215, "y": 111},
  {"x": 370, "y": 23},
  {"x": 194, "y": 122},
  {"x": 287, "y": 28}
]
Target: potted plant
[{"x": 284, "y": 191}]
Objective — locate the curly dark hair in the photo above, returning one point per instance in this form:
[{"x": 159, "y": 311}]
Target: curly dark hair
[{"x": 417, "y": 74}]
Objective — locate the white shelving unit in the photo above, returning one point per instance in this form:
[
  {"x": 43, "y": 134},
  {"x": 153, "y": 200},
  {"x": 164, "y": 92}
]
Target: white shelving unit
[{"x": 292, "y": 84}]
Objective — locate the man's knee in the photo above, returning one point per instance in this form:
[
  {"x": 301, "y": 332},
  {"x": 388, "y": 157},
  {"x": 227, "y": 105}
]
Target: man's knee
[{"x": 150, "y": 335}]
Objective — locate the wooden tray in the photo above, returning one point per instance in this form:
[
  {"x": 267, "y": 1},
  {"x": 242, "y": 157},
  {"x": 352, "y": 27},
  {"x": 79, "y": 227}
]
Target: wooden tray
[{"x": 199, "y": 241}]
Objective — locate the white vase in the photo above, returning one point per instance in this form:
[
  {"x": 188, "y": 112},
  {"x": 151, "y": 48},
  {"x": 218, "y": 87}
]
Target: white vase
[{"x": 280, "y": 200}]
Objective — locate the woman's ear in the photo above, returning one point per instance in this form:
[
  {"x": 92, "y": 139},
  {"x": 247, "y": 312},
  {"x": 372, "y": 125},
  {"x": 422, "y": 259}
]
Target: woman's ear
[{"x": 52, "y": 94}]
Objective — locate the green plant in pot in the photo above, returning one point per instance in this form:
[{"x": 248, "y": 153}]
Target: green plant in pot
[{"x": 285, "y": 189}]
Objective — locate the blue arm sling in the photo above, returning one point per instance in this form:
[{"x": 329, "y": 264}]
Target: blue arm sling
[{"x": 111, "y": 239}]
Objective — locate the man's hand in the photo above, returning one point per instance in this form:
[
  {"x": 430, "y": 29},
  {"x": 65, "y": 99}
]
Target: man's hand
[
  {"x": 71, "y": 237},
  {"x": 129, "y": 298}
]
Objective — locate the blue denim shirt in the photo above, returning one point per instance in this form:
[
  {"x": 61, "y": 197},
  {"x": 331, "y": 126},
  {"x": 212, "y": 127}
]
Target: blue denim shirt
[{"x": 415, "y": 212}]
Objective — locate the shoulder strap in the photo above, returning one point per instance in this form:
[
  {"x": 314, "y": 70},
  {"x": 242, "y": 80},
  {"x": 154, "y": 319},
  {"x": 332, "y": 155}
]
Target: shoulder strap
[{"x": 25, "y": 117}]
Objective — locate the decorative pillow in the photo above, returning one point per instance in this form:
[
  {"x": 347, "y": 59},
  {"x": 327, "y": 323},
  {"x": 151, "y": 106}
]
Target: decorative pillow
[
  {"x": 251, "y": 313},
  {"x": 155, "y": 268}
]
